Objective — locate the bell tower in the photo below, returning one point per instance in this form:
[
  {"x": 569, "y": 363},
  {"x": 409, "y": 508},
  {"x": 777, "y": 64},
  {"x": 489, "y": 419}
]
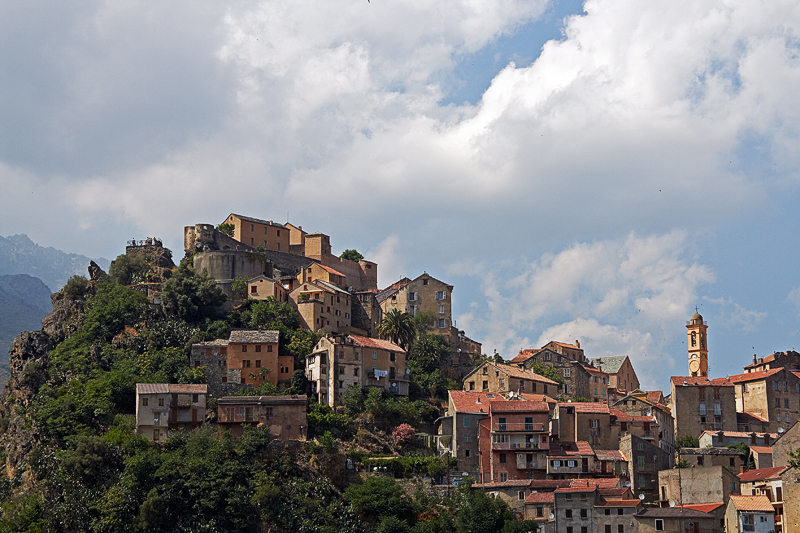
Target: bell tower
[{"x": 698, "y": 345}]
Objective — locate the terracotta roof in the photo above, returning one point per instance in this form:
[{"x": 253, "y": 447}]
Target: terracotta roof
[
  {"x": 654, "y": 396},
  {"x": 549, "y": 483},
  {"x": 503, "y": 406},
  {"x": 625, "y": 417},
  {"x": 752, "y": 415},
  {"x": 587, "y": 407},
  {"x": 593, "y": 370},
  {"x": 170, "y": 388},
  {"x": 761, "y": 449},
  {"x": 368, "y": 342},
  {"x": 673, "y": 512},
  {"x": 498, "y": 484},
  {"x": 614, "y": 492},
  {"x": 541, "y": 497},
  {"x": 796, "y": 374},
  {"x": 255, "y": 336},
  {"x": 678, "y": 381},
  {"x": 529, "y": 396},
  {"x": 568, "y": 449},
  {"x": 331, "y": 270},
  {"x": 610, "y": 455},
  {"x": 580, "y": 488},
  {"x": 703, "y": 507},
  {"x": 523, "y": 374},
  {"x": 762, "y": 473},
  {"x": 524, "y": 355},
  {"x": 618, "y": 503},
  {"x": 473, "y": 402},
  {"x": 741, "y": 434},
  {"x": 767, "y": 359},
  {"x": 754, "y": 376},
  {"x": 603, "y": 483},
  {"x": 610, "y": 365},
  {"x": 565, "y": 345},
  {"x": 752, "y": 503}
]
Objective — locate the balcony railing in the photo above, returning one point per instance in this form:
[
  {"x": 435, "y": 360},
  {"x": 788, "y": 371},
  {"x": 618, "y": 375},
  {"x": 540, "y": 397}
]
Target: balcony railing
[
  {"x": 515, "y": 445},
  {"x": 518, "y": 426}
]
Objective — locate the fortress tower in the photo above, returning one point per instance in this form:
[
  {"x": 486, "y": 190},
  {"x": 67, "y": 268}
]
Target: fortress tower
[{"x": 698, "y": 345}]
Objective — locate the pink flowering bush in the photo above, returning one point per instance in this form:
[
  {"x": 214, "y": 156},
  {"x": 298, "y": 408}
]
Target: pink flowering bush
[{"x": 403, "y": 435}]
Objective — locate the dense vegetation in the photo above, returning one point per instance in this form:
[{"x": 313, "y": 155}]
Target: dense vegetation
[{"x": 90, "y": 472}]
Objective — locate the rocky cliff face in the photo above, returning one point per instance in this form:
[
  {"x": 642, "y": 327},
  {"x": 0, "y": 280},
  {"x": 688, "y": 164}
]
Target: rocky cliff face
[{"x": 27, "y": 363}]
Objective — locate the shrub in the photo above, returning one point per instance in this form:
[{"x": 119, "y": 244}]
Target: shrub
[
  {"x": 75, "y": 289},
  {"x": 403, "y": 435}
]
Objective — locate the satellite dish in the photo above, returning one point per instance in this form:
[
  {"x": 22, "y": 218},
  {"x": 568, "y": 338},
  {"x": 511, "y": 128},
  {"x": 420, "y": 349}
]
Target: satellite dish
[
  {"x": 672, "y": 504},
  {"x": 394, "y": 385},
  {"x": 627, "y": 484},
  {"x": 552, "y": 516},
  {"x": 781, "y": 430},
  {"x": 464, "y": 474},
  {"x": 641, "y": 496}
]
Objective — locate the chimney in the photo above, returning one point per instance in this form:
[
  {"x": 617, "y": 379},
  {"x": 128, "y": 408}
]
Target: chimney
[
  {"x": 577, "y": 343},
  {"x": 755, "y": 360}
]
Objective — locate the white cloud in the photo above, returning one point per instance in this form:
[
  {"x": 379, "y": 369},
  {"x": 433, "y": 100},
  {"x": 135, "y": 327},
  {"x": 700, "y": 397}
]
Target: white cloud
[
  {"x": 731, "y": 315},
  {"x": 627, "y": 296},
  {"x": 391, "y": 262}
]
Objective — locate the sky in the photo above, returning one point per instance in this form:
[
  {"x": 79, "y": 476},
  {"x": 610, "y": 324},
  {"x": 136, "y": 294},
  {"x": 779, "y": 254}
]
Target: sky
[{"x": 589, "y": 171}]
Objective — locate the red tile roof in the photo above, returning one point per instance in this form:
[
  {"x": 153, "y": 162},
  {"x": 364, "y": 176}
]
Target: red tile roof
[
  {"x": 332, "y": 271},
  {"x": 754, "y": 376},
  {"x": 614, "y": 492},
  {"x": 796, "y": 374},
  {"x": 473, "y": 402},
  {"x": 752, "y": 415},
  {"x": 610, "y": 455},
  {"x": 678, "y": 381},
  {"x": 587, "y": 407},
  {"x": 762, "y": 473},
  {"x": 567, "y": 449},
  {"x": 593, "y": 370},
  {"x": 537, "y": 397},
  {"x": 618, "y": 503},
  {"x": 524, "y": 355},
  {"x": 761, "y": 449},
  {"x": 564, "y": 344},
  {"x": 368, "y": 342},
  {"x": 625, "y": 417},
  {"x": 654, "y": 396},
  {"x": 504, "y": 406},
  {"x": 752, "y": 503},
  {"x": 703, "y": 507},
  {"x": 498, "y": 484},
  {"x": 541, "y": 497},
  {"x": 543, "y": 484}
]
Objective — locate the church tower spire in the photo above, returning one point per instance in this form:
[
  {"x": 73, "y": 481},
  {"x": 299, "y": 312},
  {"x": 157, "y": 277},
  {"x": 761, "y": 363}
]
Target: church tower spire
[{"x": 698, "y": 345}]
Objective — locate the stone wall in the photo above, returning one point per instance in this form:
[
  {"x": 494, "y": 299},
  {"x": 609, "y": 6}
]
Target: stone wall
[{"x": 225, "y": 265}]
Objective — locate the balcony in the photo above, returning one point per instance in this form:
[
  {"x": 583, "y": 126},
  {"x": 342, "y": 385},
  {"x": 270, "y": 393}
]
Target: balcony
[
  {"x": 518, "y": 427},
  {"x": 515, "y": 446}
]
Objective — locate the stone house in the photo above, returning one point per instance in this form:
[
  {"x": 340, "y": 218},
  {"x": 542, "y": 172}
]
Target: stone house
[
  {"x": 789, "y": 360},
  {"x": 761, "y": 456},
  {"x": 697, "y": 485},
  {"x": 318, "y": 271},
  {"x": 255, "y": 232},
  {"x": 571, "y": 351},
  {"x": 643, "y": 426},
  {"x": 620, "y": 371},
  {"x": 339, "y": 362},
  {"x": 727, "y": 438},
  {"x": 584, "y": 421},
  {"x": 675, "y": 520},
  {"x": 698, "y": 404},
  {"x": 771, "y": 394},
  {"x": 575, "y": 375},
  {"x": 704, "y": 457},
  {"x": 514, "y": 440},
  {"x": 365, "y": 313},
  {"x": 538, "y": 507},
  {"x": 283, "y": 416},
  {"x": 788, "y": 441},
  {"x": 615, "y": 515},
  {"x": 361, "y": 275},
  {"x": 502, "y": 378},
  {"x": 424, "y": 293},
  {"x": 213, "y": 356},
  {"x": 716, "y": 509},
  {"x": 262, "y": 288},
  {"x": 575, "y": 508},
  {"x": 569, "y": 460},
  {"x": 750, "y": 422},
  {"x": 790, "y": 520},
  {"x": 749, "y": 513},
  {"x": 766, "y": 482},
  {"x": 322, "y": 306},
  {"x": 253, "y": 358},
  {"x": 458, "y": 429},
  {"x": 513, "y": 492},
  {"x": 598, "y": 384},
  {"x": 650, "y": 403},
  {"x": 645, "y": 461},
  {"x": 163, "y": 407}
]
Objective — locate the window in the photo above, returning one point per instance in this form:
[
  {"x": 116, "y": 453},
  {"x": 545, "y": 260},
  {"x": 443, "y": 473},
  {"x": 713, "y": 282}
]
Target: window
[
  {"x": 702, "y": 393},
  {"x": 503, "y": 476},
  {"x": 568, "y": 512},
  {"x": 786, "y": 403},
  {"x": 620, "y": 528},
  {"x": 244, "y": 348},
  {"x": 341, "y": 370},
  {"x": 584, "y": 529},
  {"x": 778, "y": 403},
  {"x": 425, "y": 281},
  {"x": 467, "y": 421},
  {"x": 156, "y": 419},
  {"x": 608, "y": 528},
  {"x": 521, "y": 495},
  {"x": 441, "y": 309},
  {"x": 702, "y": 409},
  {"x": 640, "y": 461},
  {"x": 570, "y": 464},
  {"x": 659, "y": 524},
  {"x": 471, "y": 385},
  {"x": 355, "y": 372},
  {"x": 258, "y": 347},
  {"x": 539, "y": 511},
  {"x": 639, "y": 446},
  {"x": 594, "y": 423},
  {"x": 732, "y": 461},
  {"x": 441, "y": 322},
  {"x": 502, "y": 383},
  {"x": 607, "y": 511},
  {"x": 229, "y": 413},
  {"x": 144, "y": 402},
  {"x": 716, "y": 393},
  {"x": 620, "y": 511},
  {"x": 502, "y": 458},
  {"x": 717, "y": 409},
  {"x": 374, "y": 354},
  {"x": 467, "y": 453},
  {"x": 253, "y": 289},
  {"x": 441, "y": 295},
  {"x": 569, "y": 528},
  {"x": 566, "y": 372},
  {"x": 566, "y": 388},
  {"x": 642, "y": 480},
  {"x": 748, "y": 522},
  {"x": 583, "y": 497},
  {"x": 584, "y": 514},
  {"x": 412, "y": 296},
  {"x": 161, "y": 402},
  {"x": 467, "y": 437},
  {"x": 485, "y": 385},
  {"x": 779, "y": 417}
]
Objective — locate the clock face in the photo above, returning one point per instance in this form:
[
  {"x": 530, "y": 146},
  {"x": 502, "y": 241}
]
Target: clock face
[{"x": 694, "y": 366}]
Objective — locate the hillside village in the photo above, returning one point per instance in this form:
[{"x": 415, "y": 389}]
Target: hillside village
[{"x": 569, "y": 442}]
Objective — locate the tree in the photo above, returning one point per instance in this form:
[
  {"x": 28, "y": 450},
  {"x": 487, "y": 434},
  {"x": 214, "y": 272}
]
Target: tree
[
  {"x": 398, "y": 327},
  {"x": 379, "y": 497},
  {"x": 423, "y": 323},
  {"x": 403, "y": 435},
  {"x": 75, "y": 289},
  {"x": 191, "y": 296},
  {"x": 428, "y": 353},
  {"x": 227, "y": 229},
  {"x": 239, "y": 288},
  {"x": 547, "y": 371},
  {"x": 351, "y": 255},
  {"x": 129, "y": 269},
  {"x": 687, "y": 441}
]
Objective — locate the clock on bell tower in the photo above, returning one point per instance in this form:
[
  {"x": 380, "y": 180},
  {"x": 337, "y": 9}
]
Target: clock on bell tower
[{"x": 698, "y": 345}]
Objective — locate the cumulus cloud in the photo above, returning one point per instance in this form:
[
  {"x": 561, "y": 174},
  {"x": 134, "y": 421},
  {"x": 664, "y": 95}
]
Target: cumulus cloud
[
  {"x": 731, "y": 315},
  {"x": 618, "y": 297}
]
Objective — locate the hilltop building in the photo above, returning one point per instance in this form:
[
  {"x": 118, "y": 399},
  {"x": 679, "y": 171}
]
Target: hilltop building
[{"x": 163, "y": 407}]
